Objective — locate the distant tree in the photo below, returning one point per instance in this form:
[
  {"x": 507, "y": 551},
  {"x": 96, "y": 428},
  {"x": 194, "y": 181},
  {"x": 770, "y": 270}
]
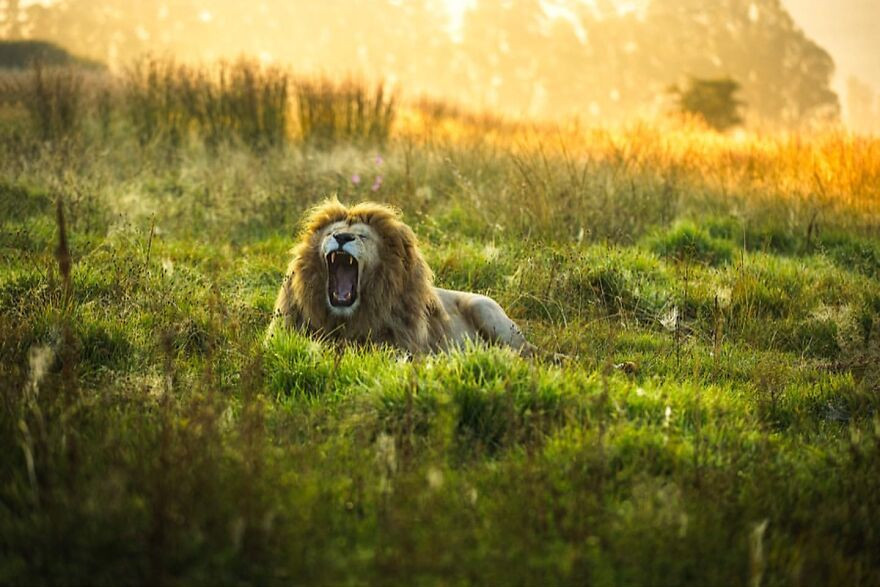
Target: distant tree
[
  {"x": 785, "y": 76},
  {"x": 534, "y": 57},
  {"x": 713, "y": 100},
  {"x": 23, "y": 54}
]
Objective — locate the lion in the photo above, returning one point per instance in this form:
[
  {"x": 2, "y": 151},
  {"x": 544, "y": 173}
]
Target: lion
[{"x": 357, "y": 275}]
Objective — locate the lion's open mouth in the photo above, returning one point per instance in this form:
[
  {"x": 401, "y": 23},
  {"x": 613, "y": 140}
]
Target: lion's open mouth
[{"x": 343, "y": 279}]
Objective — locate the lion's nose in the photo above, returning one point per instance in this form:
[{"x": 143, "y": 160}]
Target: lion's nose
[{"x": 344, "y": 237}]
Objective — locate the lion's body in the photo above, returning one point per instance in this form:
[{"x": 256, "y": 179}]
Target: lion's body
[
  {"x": 394, "y": 301},
  {"x": 477, "y": 317}
]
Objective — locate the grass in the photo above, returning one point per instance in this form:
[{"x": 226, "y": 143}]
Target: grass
[
  {"x": 242, "y": 102},
  {"x": 715, "y": 419},
  {"x": 330, "y": 113}
]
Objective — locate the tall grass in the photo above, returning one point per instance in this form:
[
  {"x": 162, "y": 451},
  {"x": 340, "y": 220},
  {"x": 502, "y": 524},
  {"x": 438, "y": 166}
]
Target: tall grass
[
  {"x": 252, "y": 104},
  {"x": 349, "y": 111},
  {"x": 53, "y": 97},
  {"x": 616, "y": 183},
  {"x": 241, "y": 101},
  {"x": 156, "y": 99}
]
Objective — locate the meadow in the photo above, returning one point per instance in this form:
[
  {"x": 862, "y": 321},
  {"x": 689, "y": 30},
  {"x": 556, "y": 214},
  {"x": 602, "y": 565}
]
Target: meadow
[{"x": 715, "y": 299}]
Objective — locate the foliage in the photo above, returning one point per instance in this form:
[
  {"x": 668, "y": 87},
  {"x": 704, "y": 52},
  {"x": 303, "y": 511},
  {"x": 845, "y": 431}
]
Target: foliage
[
  {"x": 713, "y": 100},
  {"x": 22, "y": 55},
  {"x": 712, "y": 416}
]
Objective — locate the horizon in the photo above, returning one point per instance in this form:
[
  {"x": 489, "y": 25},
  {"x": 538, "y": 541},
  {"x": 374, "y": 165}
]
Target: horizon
[{"x": 846, "y": 35}]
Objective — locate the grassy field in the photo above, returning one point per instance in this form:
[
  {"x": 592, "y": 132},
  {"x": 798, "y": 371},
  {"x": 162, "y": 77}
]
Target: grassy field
[{"x": 718, "y": 298}]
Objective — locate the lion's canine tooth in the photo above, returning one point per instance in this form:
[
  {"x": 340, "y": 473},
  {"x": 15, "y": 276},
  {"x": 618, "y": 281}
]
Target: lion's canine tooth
[
  {"x": 350, "y": 260},
  {"x": 333, "y": 257}
]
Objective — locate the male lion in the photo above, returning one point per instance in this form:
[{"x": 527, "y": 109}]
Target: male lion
[{"x": 357, "y": 274}]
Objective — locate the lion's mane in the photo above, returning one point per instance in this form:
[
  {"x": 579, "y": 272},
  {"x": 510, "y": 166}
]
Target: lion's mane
[{"x": 399, "y": 306}]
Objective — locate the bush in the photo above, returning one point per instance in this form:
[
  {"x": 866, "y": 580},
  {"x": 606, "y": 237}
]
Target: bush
[
  {"x": 713, "y": 100},
  {"x": 23, "y": 54}
]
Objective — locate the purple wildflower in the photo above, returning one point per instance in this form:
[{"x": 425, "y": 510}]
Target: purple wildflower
[
  {"x": 377, "y": 183},
  {"x": 355, "y": 179}
]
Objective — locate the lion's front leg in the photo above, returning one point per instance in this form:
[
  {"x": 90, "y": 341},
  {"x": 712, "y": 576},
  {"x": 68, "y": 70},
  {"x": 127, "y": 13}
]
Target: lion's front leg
[{"x": 493, "y": 324}]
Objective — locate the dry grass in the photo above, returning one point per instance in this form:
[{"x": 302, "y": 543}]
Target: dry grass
[{"x": 827, "y": 170}]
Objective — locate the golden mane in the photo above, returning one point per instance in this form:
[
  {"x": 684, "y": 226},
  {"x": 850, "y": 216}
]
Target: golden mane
[{"x": 402, "y": 307}]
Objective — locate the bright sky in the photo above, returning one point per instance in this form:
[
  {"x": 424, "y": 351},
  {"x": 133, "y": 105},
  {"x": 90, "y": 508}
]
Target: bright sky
[
  {"x": 848, "y": 29},
  {"x": 845, "y": 28}
]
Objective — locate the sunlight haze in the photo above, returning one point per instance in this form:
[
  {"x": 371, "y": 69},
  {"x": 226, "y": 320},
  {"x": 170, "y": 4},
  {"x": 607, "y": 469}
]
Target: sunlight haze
[
  {"x": 603, "y": 59},
  {"x": 848, "y": 30}
]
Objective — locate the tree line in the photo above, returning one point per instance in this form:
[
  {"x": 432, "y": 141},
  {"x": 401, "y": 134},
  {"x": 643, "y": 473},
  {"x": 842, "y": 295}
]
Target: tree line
[{"x": 596, "y": 61}]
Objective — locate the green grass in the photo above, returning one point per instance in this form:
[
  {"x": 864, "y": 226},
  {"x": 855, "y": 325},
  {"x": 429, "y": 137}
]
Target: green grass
[{"x": 714, "y": 418}]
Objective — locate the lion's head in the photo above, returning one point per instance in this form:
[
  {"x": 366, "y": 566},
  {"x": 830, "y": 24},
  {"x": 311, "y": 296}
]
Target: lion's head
[{"x": 357, "y": 274}]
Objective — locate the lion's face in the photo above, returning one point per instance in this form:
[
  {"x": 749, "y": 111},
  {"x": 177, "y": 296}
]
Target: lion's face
[
  {"x": 357, "y": 273},
  {"x": 351, "y": 254}
]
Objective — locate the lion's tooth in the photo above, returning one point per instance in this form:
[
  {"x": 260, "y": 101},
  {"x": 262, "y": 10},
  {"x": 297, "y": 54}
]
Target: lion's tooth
[
  {"x": 333, "y": 257},
  {"x": 350, "y": 260}
]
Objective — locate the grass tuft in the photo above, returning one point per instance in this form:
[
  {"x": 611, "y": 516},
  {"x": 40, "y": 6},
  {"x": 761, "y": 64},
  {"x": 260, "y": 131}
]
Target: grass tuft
[{"x": 687, "y": 242}]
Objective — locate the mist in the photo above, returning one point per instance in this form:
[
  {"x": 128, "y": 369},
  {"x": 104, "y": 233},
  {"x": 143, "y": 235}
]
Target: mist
[
  {"x": 848, "y": 30},
  {"x": 600, "y": 61}
]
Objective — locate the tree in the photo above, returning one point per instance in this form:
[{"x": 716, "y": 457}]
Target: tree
[
  {"x": 713, "y": 100},
  {"x": 785, "y": 76},
  {"x": 23, "y": 54},
  {"x": 544, "y": 58}
]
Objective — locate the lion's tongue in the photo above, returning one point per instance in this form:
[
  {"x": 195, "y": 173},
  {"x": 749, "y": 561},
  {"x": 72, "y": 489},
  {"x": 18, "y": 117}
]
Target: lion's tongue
[{"x": 343, "y": 281}]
